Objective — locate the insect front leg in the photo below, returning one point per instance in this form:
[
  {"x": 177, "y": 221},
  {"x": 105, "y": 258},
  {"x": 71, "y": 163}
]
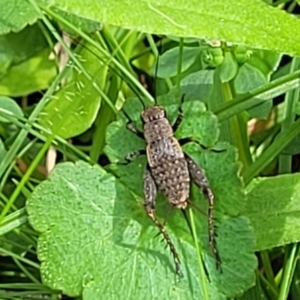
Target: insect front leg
[
  {"x": 132, "y": 155},
  {"x": 150, "y": 192},
  {"x": 199, "y": 178}
]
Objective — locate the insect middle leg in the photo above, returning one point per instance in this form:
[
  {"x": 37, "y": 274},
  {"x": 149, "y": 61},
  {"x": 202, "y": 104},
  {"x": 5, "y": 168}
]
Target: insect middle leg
[
  {"x": 150, "y": 191},
  {"x": 199, "y": 178}
]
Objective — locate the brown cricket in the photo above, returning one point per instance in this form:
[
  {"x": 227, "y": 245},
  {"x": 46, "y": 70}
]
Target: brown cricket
[{"x": 171, "y": 171}]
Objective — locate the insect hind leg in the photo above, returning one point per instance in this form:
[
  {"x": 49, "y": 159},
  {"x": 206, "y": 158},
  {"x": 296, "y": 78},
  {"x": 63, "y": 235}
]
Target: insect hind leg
[
  {"x": 150, "y": 192},
  {"x": 199, "y": 178}
]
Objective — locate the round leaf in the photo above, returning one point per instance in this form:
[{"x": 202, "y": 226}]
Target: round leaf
[
  {"x": 222, "y": 171},
  {"x": 97, "y": 240}
]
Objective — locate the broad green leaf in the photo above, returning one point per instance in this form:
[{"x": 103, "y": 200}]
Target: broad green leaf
[
  {"x": 251, "y": 22},
  {"x": 32, "y": 75},
  {"x": 273, "y": 209},
  {"x": 167, "y": 66},
  {"x": 228, "y": 69},
  {"x": 31, "y": 40},
  {"x": 9, "y": 106},
  {"x": 74, "y": 107},
  {"x": 96, "y": 240},
  {"x": 15, "y": 15},
  {"x": 222, "y": 170},
  {"x": 247, "y": 79}
]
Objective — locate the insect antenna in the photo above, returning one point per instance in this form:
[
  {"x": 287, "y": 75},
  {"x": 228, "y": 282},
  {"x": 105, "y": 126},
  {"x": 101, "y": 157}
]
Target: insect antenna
[
  {"x": 156, "y": 52},
  {"x": 155, "y": 78}
]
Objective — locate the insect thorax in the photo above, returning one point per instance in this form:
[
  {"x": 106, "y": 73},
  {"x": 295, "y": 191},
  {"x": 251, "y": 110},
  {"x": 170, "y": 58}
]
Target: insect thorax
[{"x": 157, "y": 130}]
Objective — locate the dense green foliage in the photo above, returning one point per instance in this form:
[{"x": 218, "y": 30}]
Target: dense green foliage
[{"x": 72, "y": 221}]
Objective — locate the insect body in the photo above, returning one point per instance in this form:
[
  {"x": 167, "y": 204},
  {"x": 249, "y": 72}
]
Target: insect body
[
  {"x": 171, "y": 171},
  {"x": 167, "y": 164}
]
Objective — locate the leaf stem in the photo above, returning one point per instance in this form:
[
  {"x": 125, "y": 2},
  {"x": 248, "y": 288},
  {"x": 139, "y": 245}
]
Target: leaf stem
[
  {"x": 251, "y": 99},
  {"x": 264, "y": 255},
  {"x": 288, "y": 271},
  {"x": 202, "y": 278}
]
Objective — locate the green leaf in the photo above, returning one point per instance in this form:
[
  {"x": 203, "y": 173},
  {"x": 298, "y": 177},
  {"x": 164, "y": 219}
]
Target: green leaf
[
  {"x": 10, "y": 106},
  {"x": 293, "y": 147},
  {"x": 247, "y": 79},
  {"x": 221, "y": 169},
  {"x": 273, "y": 209},
  {"x": 2, "y": 150},
  {"x": 11, "y": 237},
  {"x": 167, "y": 66},
  {"x": 198, "y": 124},
  {"x": 87, "y": 26},
  {"x": 15, "y": 15},
  {"x": 198, "y": 85},
  {"x": 36, "y": 73},
  {"x": 255, "y": 293},
  {"x": 297, "y": 108},
  {"x": 31, "y": 40},
  {"x": 74, "y": 107},
  {"x": 251, "y": 22},
  {"x": 228, "y": 69},
  {"x": 96, "y": 240},
  {"x": 265, "y": 61}
]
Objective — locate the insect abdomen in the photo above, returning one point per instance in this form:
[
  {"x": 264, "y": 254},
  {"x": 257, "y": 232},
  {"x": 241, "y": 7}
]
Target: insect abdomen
[{"x": 169, "y": 170}]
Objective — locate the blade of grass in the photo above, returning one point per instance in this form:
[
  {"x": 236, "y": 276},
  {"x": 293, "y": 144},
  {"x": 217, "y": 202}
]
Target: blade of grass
[
  {"x": 20, "y": 258},
  {"x": 269, "y": 289},
  {"x": 25, "y": 178},
  {"x": 12, "y": 164},
  {"x": 128, "y": 75},
  {"x": 291, "y": 99},
  {"x": 11, "y": 153},
  {"x": 264, "y": 255},
  {"x": 14, "y": 119},
  {"x": 25, "y": 271},
  {"x": 241, "y": 103},
  {"x": 285, "y": 166},
  {"x": 14, "y": 220},
  {"x": 202, "y": 274},
  {"x": 288, "y": 271},
  {"x": 281, "y": 141},
  {"x": 72, "y": 56}
]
